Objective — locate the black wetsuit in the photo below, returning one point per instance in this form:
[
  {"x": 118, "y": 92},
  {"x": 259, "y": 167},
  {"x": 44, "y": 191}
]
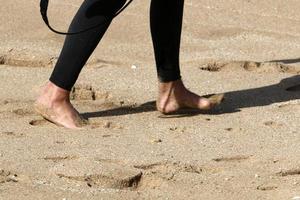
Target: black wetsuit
[{"x": 166, "y": 24}]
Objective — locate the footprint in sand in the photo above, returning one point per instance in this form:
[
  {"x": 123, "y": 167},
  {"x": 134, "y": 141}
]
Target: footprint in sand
[
  {"x": 117, "y": 174},
  {"x": 178, "y": 129},
  {"x": 5, "y": 102},
  {"x": 93, "y": 124},
  {"x": 2, "y": 60},
  {"x": 82, "y": 92},
  {"x": 87, "y": 92},
  {"x": 7, "y": 176},
  {"x": 99, "y": 63},
  {"x": 237, "y": 158},
  {"x": 266, "y": 187},
  {"x": 12, "y": 101},
  {"x": 11, "y": 134},
  {"x": 265, "y": 67},
  {"x": 59, "y": 158},
  {"x": 99, "y": 174},
  {"x": 155, "y": 174},
  {"x": 38, "y": 122},
  {"x": 290, "y": 172},
  {"x": 22, "y": 60},
  {"x": 8, "y": 133},
  {"x": 23, "y": 112},
  {"x": 163, "y": 169},
  {"x": 273, "y": 124},
  {"x": 109, "y": 161}
]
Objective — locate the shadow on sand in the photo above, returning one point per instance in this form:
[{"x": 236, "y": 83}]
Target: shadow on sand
[
  {"x": 287, "y": 61},
  {"x": 286, "y": 90}
]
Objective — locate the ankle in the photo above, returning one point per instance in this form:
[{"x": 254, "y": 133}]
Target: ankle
[
  {"x": 164, "y": 87},
  {"x": 174, "y": 89},
  {"x": 52, "y": 94}
]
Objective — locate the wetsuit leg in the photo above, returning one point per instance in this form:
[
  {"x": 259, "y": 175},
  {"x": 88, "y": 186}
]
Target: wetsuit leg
[
  {"x": 78, "y": 48},
  {"x": 166, "y": 24}
]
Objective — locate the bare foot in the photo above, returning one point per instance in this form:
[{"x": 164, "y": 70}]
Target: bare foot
[
  {"x": 174, "y": 95},
  {"x": 54, "y": 105}
]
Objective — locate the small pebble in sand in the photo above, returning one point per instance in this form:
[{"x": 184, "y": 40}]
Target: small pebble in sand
[
  {"x": 156, "y": 141},
  {"x": 107, "y": 135},
  {"x": 173, "y": 128},
  {"x": 133, "y": 67},
  {"x": 107, "y": 124},
  {"x": 13, "y": 178},
  {"x": 266, "y": 188},
  {"x": 256, "y": 176}
]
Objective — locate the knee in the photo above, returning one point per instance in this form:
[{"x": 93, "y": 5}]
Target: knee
[{"x": 104, "y": 7}]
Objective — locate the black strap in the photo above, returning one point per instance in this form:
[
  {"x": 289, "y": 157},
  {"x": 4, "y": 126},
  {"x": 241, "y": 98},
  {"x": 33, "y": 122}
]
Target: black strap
[{"x": 44, "y": 7}]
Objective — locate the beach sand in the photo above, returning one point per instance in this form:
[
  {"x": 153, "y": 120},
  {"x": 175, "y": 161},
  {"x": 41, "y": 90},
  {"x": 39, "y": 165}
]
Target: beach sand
[{"x": 247, "y": 148}]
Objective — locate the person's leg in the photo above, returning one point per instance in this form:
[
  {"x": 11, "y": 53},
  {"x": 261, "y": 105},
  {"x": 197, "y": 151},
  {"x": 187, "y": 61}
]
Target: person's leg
[
  {"x": 166, "y": 24},
  {"x": 76, "y": 51}
]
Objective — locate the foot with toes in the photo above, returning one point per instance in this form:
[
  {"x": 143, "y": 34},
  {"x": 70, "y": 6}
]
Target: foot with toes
[
  {"x": 174, "y": 95},
  {"x": 54, "y": 105}
]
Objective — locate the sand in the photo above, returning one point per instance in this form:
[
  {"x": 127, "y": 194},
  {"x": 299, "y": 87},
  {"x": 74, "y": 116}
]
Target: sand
[{"x": 247, "y": 148}]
